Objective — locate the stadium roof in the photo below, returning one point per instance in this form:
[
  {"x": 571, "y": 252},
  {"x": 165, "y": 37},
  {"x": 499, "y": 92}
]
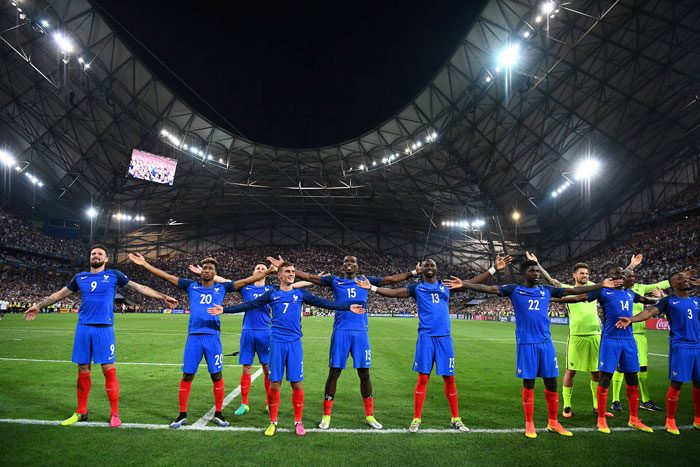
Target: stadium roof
[{"x": 616, "y": 80}]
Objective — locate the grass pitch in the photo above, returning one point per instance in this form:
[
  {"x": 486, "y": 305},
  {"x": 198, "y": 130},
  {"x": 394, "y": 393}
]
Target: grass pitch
[{"x": 37, "y": 382}]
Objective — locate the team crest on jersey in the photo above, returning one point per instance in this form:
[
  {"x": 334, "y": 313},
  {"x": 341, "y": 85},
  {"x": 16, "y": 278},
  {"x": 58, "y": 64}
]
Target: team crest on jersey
[
  {"x": 442, "y": 288},
  {"x": 216, "y": 290},
  {"x": 296, "y": 298},
  {"x": 542, "y": 292},
  {"x": 674, "y": 373},
  {"x": 105, "y": 278}
]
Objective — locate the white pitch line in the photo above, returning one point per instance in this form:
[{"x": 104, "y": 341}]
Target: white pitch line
[
  {"x": 235, "y": 393},
  {"x": 37, "y": 360},
  {"x": 446, "y": 431}
]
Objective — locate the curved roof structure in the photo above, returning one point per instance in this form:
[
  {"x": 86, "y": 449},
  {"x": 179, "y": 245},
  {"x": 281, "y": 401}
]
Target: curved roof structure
[{"x": 619, "y": 80}]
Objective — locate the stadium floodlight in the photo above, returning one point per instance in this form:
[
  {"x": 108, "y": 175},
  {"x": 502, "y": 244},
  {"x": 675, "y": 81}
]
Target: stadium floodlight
[
  {"x": 374, "y": 163},
  {"x": 164, "y": 132},
  {"x": 526, "y": 34},
  {"x": 516, "y": 216},
  {"x": 538, "y": 19},
  {"x": 44, "y": 23},
  {"x": 80, "y": 60},
  {"x": 64, "y": 44},
  {"x": 498, "y": 69},
  {"x": 587, "y": 169},
  {"x": 508, "y": 56},
  {"x": 548, "y": 7},
  {"x": 6, "y": 158},
  {"x": 407, "y": 150},
  {"x": 40, "y": 183},
  {"x": 18, "y": 168},
  {"x": 554, "y": 194},
  {"x": 91, "y": 212},
  {"x": 418, "y": 143},
  {"x": 221, "y": 161},
  {"x": 434, "y": 135},
  {"x": 362, "y": 167},
  {"x": 488, "y": 79},
  {"x": 86, "y": 66}
]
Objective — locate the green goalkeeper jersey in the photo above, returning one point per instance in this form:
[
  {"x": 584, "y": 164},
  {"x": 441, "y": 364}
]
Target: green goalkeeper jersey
[
  {"x": 583, "y": 316},
  {"x": 643, "y": 289}
]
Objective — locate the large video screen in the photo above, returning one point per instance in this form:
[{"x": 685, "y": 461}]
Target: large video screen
[{"x": 147, "y": 166}]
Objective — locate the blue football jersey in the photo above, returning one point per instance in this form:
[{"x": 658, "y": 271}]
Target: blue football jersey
[
  {"x": 347, "y": 290},
  {"x": 97, "y": 295},
  {"x": 433, "y": 302},
  {"x": 286, "y": 310},
  {"x": 683, "y": 319},
  {"x": 259, "y": 318},
  {"x": 531, "y": 306},
  {"x": 201, "y": 298},
  {"x": 615, "y": 303}
]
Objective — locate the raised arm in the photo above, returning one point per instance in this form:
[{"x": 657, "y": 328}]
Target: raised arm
[
  {"x": 501, "y": 263},
  {"x": 262, "y": 300},
  {"x": 55, "y": 297},
  {"x": 313, "y": 278},
  {"x": 544, "y": 273},
  {"x": 197, "y": 270},
  {"x": 312, "y": 299},
  {"x": 401, "y": 292},
  {"x": 149, "y": 292},
  {"x": 624, "y": 321},
  {"x": 239, "y": 284},
  {"x": 635, "y": 261},
  {"x": 404, "y": 276},
  {"x": 137, "y": 258},
  {"x": 607, "y": 283},
  {"x": 571, "y": 299},
  {"x": 454, "y": 283}
]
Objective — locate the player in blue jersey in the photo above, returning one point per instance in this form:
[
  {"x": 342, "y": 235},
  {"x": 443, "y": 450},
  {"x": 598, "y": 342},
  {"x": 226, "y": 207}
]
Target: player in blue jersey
[
  {"x": 683, "y": 314},
  {"x": 434, "y": 345},
  {"x": 203, "y": 333},
  {"x": 94, "y": 334},
  {"x": 255, "y": 334},
  {"x": 618, "y": 348},
  {"x": 535, "y": 354},
  {"x": 286, "y": 352},
  {"x": 350, "y": 333}
]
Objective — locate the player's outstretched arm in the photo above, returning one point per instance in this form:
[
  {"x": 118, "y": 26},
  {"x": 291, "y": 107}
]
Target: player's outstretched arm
[
  {"x": 544, "y": 273},
  {"x": 262, "y": 300},
  {"x": 401, "y": 292},
  {"x": 624, "y": 321},
  {"x": 607, "y": 283},
  {"x": 239, "y": 284},
  {"x": 197, "y": 269},
  {"x": 149, "y": 292},
  {"x": 571, "y": 299},
  {"x": 314, "y": 300},
  {"x": 645, "y": 300},
  {"x": 500, "y": 264},
  {"x": 55, "y": 297},
  {"x": 404, "y": 276},
  {"x": 305, "y": 276},
  {"x": 137, "y": 258},
  {"x": 455, "y": 283}
]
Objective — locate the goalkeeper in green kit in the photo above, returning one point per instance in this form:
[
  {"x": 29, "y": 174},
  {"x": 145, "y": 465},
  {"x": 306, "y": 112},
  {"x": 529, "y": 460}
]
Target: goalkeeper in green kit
[
  {"x": 583, "y": 344},
  {"x": 639, "y": 331}
]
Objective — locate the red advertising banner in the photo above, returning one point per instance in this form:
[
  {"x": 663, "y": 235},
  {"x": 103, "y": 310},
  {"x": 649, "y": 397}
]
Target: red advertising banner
[{"x": 658, "y": 324}]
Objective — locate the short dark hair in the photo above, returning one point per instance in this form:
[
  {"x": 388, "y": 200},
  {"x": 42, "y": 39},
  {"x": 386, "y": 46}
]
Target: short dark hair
[
  {"x": 526, "y": 264},
  {"x": 210, "y": 260},
  {"x": 101, "y": 247},
  {"x": 285, "y": 264},
  {"x": 578, "y": 266}
]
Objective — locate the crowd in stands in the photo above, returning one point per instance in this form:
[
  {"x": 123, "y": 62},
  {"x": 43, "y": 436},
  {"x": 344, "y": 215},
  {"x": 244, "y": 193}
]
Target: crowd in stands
[
  {"x": 667, "y": 246},
  {"x": 17, "y": 232}
]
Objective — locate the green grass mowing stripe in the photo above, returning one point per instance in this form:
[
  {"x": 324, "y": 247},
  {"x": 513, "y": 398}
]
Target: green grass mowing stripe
[
  {"x": 227, "y": 400},
  {"x": 38, "y": 360}
]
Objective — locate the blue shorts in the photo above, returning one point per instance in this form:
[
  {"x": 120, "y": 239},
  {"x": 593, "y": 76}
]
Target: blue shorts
[
  {"x": 93, "y": 344},
  {"x": 254, "y": 341},
  {"x": 536, "y": 361},
  {"x": 434, "y": 349},
  {"x": 207, "y": 345},
  {"x": 355, "y": 343},
  {"x": 684, "y": 364},
  {"x": 618, "y": 354},
  {"x": 286, "y": 358}
]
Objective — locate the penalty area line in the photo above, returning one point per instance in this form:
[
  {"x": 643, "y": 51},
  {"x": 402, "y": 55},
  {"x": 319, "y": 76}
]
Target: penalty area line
[
  {"x": 164, "y": 426},
  {"x": 235, "y": 393}
]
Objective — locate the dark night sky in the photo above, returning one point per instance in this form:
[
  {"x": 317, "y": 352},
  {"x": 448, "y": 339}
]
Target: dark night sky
[{"x": 293, "y": 74}]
